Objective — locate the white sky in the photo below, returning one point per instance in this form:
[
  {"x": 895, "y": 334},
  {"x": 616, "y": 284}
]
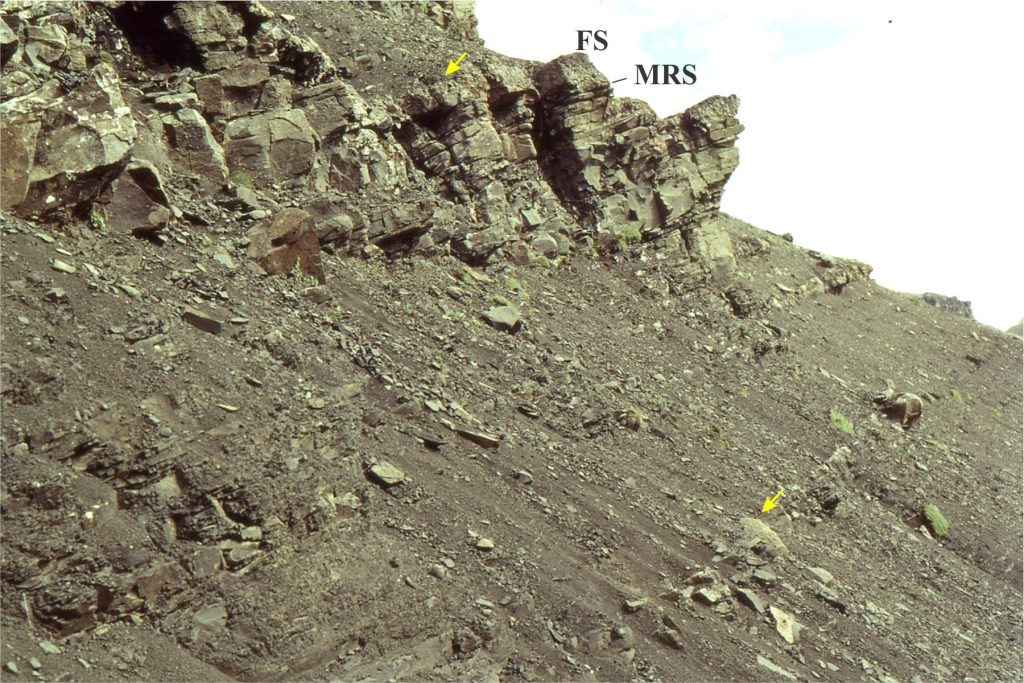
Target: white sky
[{"x": 898, "y": 143}]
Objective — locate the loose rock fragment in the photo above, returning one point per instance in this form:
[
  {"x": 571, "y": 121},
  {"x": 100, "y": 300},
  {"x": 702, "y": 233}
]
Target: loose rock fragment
[
  {"x": 201, "y": 321},
  {"x": 775, "y": 668},
  {"x": 785, "y": 624},
  {"x": 758, "y": 534},
  {"x": 823, "y": 575},
  {"x": 212, "y": 617},
  {"x": 504, "y": 318},
  {"x": 751, "y": 600},
  {"x": 905, "y": 408},
  {"x": 634, "y": 604},
  {"x": 287, "y": 240},
  {"x": 242, "y": 552},
  {"x": 480, "y": 438},
  {"x": 386, "y": 474}
]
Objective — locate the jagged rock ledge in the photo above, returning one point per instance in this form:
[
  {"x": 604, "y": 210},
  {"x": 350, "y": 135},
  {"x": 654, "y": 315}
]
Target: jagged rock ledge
[{"x": 511, "y": 160}]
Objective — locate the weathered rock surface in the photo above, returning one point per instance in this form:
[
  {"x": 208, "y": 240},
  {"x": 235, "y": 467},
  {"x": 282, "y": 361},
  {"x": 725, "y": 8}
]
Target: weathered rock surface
[
  {"x": 193, "y": 149},
  {"x": 504, "y": 318},
  {"x": 59, "y": 148},
  {"x": 287, "y": 240},
  {"x": 138, "y": 202},
  {"x": 275, "y": 146}
]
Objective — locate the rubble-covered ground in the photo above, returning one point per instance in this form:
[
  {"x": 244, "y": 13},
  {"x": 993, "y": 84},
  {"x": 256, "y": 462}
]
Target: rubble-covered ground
[{"x": 319, "y": 365}]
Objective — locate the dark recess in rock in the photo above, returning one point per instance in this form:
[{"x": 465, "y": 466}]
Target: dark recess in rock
[{"x": 144, "y": 24}]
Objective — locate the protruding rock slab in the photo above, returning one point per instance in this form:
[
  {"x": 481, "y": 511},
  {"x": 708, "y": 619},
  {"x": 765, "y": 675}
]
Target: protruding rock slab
[
  {"x": 193, "y": 149},
  {"x": 61, "y": 150},
  {"x": 386, "y": 474},
  {"x": 138, "y": 202}
]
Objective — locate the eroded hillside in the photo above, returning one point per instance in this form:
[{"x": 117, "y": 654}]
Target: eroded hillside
[{"x": 318, "y": 365}]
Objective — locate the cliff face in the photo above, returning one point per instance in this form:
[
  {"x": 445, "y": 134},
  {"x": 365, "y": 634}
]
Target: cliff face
[
  {"x": 319, "y": 365},
  {"x": 488, "y": 162}
]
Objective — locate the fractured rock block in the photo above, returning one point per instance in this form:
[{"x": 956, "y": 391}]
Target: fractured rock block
[
  {"x": 213, "y": 28},
  {"x": 289, "y": 238},
  {"x": 242, "y": 88},
  {"x": 569, "y": 77},
  {"x": 904, "y": 407},
  {"x": 479, "y": 245},
  {"x": 194, "y": 150},
  {"x": 45, "y": 45},
  {"x": 364, "y": 159},
  {"x": 8, "y": 43},
  {"x": 332, "y": 109},
  {"x": 272, "y": 146},
  {"x": 709, "y": 244}
]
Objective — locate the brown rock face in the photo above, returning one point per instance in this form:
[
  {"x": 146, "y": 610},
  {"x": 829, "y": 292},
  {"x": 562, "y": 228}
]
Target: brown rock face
[
  {"x": 289, "y": 238},
  {"x": 193, "y": 148}
]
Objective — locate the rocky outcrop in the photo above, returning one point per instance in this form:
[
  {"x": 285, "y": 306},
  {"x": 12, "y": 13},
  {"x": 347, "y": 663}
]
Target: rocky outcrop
[
  {"x": 276, "y": 146},
  {"x": 61, "y": 148},
  {"x": 607, "y": 165},
  {"x": 949, "y": 303},
  {"x": 193, "y": 149},
  {"x": 625, "y": 170},
  {"x": 514, "y": 160},
  {"x": 137, "y": 202}
]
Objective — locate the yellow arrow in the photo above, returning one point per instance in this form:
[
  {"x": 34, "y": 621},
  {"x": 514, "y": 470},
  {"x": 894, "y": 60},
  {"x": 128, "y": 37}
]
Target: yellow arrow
[
  {"x": 770, "y": 503},
  {"x": 454, "y": 66}
]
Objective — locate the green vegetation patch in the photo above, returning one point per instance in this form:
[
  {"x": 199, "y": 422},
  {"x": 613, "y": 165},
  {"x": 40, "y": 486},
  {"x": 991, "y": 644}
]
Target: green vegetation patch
[
  {"x": 516, "y": 287},
  {"x": 97, "y": 218},
  {"x": 841, "y": 423},
  {"x": 629, "y": 235},
  {"x": 936, "y": 521},
  {"x": 240, "y": 178}
]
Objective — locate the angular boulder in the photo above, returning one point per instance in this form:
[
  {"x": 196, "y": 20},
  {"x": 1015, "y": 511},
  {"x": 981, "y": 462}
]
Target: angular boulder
[
  {"x": 949, "y": 303},
  {"x": 8, "y": 43},
  {"x": 214, "y": 30},
  {"x": 710, "y": 246},
  {"x": 503, "y": 318},
  {"x": 332, "y": 109},
  {"x": 243, "y": 88},
  {"x": 287, "y": 239},
  {"x": 138, "y": 202}
]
